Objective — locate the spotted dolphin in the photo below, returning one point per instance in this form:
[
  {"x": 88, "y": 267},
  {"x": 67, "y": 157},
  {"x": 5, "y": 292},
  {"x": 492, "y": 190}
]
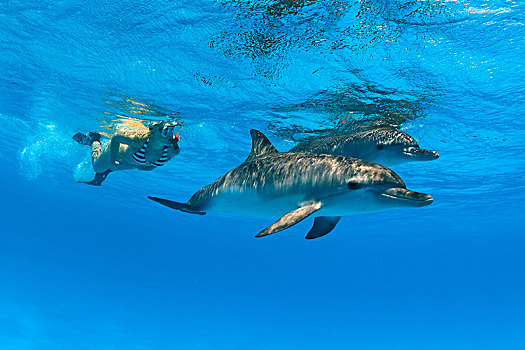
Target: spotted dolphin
[
  {"x": 385, "y": 145},
  {"x": 294, "y": 186}
]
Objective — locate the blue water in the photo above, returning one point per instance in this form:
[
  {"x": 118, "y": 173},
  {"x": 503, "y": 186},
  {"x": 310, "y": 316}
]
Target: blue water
[{"x": 104, "y": 268}]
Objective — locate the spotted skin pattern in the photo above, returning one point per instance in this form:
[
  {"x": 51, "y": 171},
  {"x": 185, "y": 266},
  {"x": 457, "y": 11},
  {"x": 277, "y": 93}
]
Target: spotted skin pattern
[
  {"x": 281, "y": 174},
  {"x": 294, "y": 186},
  {"x": 387, "y": 146}
]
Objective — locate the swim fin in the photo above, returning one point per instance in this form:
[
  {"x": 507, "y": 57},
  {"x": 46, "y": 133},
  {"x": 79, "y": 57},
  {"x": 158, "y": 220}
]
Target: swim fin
[
  {"x": 88, "y": 139},
  {"x": 99, "y": 178}
]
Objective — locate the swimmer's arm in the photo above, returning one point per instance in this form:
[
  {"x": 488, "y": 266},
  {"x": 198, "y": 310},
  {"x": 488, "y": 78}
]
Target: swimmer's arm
[
  {"x": 125, "y": 138},
  {"x": 129, "y": 138}
]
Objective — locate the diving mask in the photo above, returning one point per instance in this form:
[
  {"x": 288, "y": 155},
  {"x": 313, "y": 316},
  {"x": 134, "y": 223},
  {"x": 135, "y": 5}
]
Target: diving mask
[{"x": 168, "y": 130}]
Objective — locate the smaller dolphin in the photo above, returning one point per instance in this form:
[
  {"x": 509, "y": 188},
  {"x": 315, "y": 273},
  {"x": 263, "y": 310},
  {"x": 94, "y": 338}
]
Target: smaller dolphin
[
  {"x": 386, "y": 146},
  {"x": 293, "y": 186}
]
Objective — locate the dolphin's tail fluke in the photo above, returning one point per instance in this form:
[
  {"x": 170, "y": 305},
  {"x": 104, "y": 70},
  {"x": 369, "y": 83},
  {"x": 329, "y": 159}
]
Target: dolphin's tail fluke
[{"x": 185, "y": 207}]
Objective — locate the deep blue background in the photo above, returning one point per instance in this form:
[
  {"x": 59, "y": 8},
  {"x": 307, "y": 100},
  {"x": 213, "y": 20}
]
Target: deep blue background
[{"x": 104, "y": 268}]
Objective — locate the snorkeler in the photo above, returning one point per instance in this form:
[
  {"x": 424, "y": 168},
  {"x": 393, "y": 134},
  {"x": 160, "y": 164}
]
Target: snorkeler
[{"x": 142, "y": 150}]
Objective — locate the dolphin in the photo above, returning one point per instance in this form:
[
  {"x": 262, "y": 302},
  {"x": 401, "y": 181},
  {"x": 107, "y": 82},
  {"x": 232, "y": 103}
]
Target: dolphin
[
  {"x": 294, "y": 186},
  {"x": 385, "y": 145}
]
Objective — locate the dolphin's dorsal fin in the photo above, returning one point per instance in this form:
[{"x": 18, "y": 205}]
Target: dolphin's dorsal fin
[{"x": 260, "y": 145}]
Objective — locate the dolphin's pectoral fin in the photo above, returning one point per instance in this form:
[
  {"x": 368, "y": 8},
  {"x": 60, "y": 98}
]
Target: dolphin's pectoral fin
[
  {"x": 290, "y": 219},
  {"x": 176, "y": 205},
  {"x": 323, "y": 225},
  {"x": 260, "y": 145}
]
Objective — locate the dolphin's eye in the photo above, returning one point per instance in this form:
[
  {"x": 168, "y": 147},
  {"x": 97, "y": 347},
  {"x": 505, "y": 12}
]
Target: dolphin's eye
[
  {"x": 353, "y": 185},
  {"x": 380, "y": 147}
]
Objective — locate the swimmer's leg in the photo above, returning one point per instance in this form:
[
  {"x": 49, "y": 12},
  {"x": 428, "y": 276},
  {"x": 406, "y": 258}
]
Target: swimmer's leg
[
  {"x": 100, "y": 160},
  {"x": 100, "y": 157}
]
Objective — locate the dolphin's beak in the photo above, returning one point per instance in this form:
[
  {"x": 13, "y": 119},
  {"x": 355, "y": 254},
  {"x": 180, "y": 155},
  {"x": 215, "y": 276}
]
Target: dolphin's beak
[
  {"x": 416, "y": 153},
  {"x": 410, "y": 198}
]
